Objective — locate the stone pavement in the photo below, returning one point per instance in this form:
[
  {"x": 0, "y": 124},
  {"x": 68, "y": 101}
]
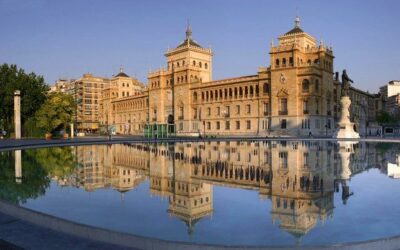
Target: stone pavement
[{"x": 17, "y": 234}]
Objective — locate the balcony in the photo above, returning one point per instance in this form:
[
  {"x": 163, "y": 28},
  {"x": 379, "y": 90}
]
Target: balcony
[
  {"x": 283, "y": 112},
  {"x": 266, "y": 113}
]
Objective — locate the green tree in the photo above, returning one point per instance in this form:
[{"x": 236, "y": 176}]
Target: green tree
[
  {"x": 33, "y": 94},
  {"x": 385, "y": 118},
  {"x": 56, "y": 112}
]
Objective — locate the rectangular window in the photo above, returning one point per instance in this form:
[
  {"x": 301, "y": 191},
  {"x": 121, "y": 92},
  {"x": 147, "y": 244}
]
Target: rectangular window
[
  {"x": 305, "y": 106},
  {"x": 283, "y": 124},
  {"x": 238, "y": 109},
  {"x": 283, "y": 159},
  {"x": 208, "y": 111},
  {"x": 238, "y": 125},
  {"x": 218, "y": 111},
  {"x": 248, "y": 124},
  {"x": 208, "y": 125},
  {"x": 266, "y": 108},
  {"x": 227, "y": 125},
  {"x": 248, "y": 108},
  {"x": 283, "y": 106},
  {"x": 218, "y": 125},
  {"x": 305, "y": 159}
]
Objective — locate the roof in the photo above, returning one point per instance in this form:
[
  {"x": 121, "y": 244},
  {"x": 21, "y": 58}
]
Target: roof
[
  {"x": 189, "y": 41},
  {"x": 294, "y": 31},
  {"x": 121, "y": 74}
]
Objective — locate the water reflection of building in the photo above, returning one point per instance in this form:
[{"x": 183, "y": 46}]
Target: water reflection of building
[{"x": 300, "y": 178}]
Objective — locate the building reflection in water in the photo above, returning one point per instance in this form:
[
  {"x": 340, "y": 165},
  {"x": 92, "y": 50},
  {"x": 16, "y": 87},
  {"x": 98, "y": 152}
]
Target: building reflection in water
[{"x": 299, "y": 177}]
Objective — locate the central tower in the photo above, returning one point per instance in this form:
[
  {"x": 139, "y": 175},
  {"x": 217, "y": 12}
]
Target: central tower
[{"x": 188, "y": 64}]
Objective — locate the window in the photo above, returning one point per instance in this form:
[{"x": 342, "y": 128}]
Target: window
[
  {"x": 283, "y": 106},
  {"x": 317, "y": 124},
  {"x": 316, "y": 85},
  {"x": 208, "y": 111},
  {"x": 283, "y": 124},
  {"x": 284, "y": 62},
  {"x": 305, "y": 106},
  {"x": 195, "y": 96},
  {"x": 291, "y": 61},
  {"x": 227, "y": 125},
  {"x": 248, "y": 109},
  {"x": 205, "y": 66},
  {"x": 266, "y": 88},
  {"x": 208, "y": 125},
  {"x": 218, "y": 125},
  {"x": 238, "y": 125},
  {"x": 248, "y": 124},
  {"x": 266, "y": 108},
  {"x": 283, "y": 159},
  {"x": 194, "y": 63},
  {"x": 200, "y": 64},
  {"x": 218, "y": 111},
  {"x": 277, "y": 62},
  {"x": 306, "y": 86},
  {"x": 238, "y": 109}
]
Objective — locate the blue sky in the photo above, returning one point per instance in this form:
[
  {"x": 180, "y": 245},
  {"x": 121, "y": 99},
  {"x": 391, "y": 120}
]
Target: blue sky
[{"x": 57, "y": 38}]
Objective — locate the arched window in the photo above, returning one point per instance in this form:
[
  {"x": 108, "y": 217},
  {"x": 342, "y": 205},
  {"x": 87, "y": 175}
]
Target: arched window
[
  {"x": 200, "y": 64},
  {"x": 226, "y": 93},
  {"x": 194, "y": 63},
  {"x": 183, "y": 63},
  {"x": 306, "y": 86},
  {"x": 205, "y": 66},
  {"x": 202, "y": 96},
  {"x": 216, "y": 94},
  {"x": 211, "y": 95},
  {"x": 246, "y": 91},
  {"x": 277, "y": 62},
  {"x": 207, "y": 95},
  {"x": 309, "y": 62},
  {"x": 230, "y": 93},
  {"x": 240, "y": 91},
  {"x": 236, "y": 92},
  {"x": 251, "y": 90},
  {"x": 220, "y": 93},
  {"x": 177, "y": 64},
  {"x": 284, "y": 62}
]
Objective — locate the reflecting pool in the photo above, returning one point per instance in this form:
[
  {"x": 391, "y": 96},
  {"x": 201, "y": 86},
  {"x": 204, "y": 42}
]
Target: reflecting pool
[{"x": 271, "y": 193}]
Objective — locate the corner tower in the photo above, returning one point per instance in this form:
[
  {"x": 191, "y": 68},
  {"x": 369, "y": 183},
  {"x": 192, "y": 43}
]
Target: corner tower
[{"x": 301, "y": 84}]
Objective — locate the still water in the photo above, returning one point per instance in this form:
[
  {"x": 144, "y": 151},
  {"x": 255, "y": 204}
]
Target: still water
[{"x": 233, "y": 193}]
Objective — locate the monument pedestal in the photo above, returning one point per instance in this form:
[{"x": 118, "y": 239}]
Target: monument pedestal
[{"x": 346, "y": 127}]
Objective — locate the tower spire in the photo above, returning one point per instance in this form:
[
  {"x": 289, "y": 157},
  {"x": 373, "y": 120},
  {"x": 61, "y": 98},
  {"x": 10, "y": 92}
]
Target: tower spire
[
  {"x": 297, "y": 22},
  {"x": 188, "y": 31}
]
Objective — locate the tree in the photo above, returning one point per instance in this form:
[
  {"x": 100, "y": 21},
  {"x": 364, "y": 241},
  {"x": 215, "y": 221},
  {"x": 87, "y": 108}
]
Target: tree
[
  {"x": 33, "y": 94},
  {"x": 385, "y": 118},
  {"x": 56, "y": 112}
]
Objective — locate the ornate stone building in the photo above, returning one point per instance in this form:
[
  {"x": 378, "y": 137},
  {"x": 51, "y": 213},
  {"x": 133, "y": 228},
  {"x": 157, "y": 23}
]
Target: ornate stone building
[
  {"x": 293, "y": 96},
  {"x": 296, "y": 95}
]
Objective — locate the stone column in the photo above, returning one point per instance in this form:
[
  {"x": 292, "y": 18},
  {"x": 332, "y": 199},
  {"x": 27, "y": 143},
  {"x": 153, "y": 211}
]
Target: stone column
[
  {"x": 17, "y": 114},
  {"x": 72, "y": 129},
  {"x": 18, "y": 167}
]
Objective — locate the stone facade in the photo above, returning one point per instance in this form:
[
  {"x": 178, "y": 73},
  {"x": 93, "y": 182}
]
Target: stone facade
[{"x": 296, "y": 95}]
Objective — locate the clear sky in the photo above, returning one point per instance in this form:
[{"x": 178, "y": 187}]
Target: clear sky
[{"x": 56, "y": 38}]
